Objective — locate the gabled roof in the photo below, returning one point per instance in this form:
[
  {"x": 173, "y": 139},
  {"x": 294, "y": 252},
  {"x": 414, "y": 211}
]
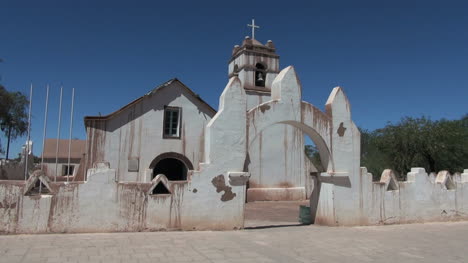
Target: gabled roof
[
  {"x": 77, "y": 148},
  {"x": 165, "y": 84}
]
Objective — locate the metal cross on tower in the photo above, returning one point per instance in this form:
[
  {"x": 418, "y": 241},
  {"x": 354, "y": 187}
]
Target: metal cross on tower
[{"x": 253, "y": 26}]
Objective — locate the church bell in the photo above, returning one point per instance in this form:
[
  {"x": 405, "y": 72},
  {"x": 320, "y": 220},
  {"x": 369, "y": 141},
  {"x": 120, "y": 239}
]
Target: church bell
[{"x": 260, "y": 77}]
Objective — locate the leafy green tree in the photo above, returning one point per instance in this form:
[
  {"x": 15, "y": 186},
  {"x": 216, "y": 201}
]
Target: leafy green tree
[
  {"x": 416, "y": 142},
  {"x": 13, "y": 115},
  {"x": 446, "y": 145},
  {"x": 372, "y": 157}
]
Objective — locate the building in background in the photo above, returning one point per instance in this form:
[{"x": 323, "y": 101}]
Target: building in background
[{"x": 62, "y": 169}]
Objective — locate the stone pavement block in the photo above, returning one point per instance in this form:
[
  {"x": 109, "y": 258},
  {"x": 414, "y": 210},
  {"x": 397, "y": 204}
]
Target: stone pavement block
[
  {"x": 10, "y": 259},
  {"x": 156, "y": 254},
  {"x": 140, "y": 255},
  {"x": 51, "y": 253},
  {"x": 181, "y": 259},
  {"x": 30, "y": 256},
  {"x": 36, "y": 260},
  {"x": 197, "y": 257},
  {"x": 398, "y": 243},
  {"x": 16, "y": 252},
  {"x": 214, "y": 255}
]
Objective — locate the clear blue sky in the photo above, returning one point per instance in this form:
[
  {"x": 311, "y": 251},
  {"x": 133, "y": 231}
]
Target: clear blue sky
[{"x": 393, "y": 58}]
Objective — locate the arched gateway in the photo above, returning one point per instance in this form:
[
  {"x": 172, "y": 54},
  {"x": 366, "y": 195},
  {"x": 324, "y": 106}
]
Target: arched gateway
[{"x": 334, "y": 133}]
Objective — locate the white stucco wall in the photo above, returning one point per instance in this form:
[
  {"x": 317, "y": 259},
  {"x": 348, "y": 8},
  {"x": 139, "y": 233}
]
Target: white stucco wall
[
  {"x": 277, "y": 160},
  {"x": 212, "y": 198},
  {"x": 137, "y": 132},
  {"x": 103, "y": 205},
  {"x": 418, "y": 199}
]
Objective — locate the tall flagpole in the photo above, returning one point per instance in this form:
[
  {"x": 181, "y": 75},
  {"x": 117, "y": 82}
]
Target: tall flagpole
[
  {"x": 45, "y": 126},
  {"x": 70, "y": 138},
  {"x": 58, "y": 135},
  {"x": 29, "y": 133}
]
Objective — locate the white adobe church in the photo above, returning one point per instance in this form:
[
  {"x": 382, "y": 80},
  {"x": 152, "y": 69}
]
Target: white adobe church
[
  {"x": 163, "y": 132},
  {"x": 170, "y": 161}
]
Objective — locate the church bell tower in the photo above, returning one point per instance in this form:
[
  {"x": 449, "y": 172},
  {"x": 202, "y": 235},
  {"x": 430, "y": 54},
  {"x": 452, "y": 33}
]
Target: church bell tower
[
  {"x": 276, "y": 155},
  {"x": 255, "y": 64}
]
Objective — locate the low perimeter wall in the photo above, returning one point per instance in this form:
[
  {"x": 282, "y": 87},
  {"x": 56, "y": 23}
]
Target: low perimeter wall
[
  {"x": 103, "y": 205},
  {"x": 421, "y": 198}
]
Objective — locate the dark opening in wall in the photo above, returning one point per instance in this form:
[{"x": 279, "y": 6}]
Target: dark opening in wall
[
  {"x": 173, "y": 169},
  {"x": 68, "y": 170},
  {"x": 160, "y": 189},
  {"x": 260, "y": 75},
  {"x": 38, "y": 189}
]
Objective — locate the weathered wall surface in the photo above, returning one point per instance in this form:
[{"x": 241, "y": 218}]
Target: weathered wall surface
[
  {"x": 137, "y": 133},
  {"x": 422, "y": 198},
  {"x": 277, "y": 162},
  {"x": 338, "y": 198},
  {"x": 276, "y": 159},
  {"x": 212, "y": 198},
  {"x": 103, "y": 205}
]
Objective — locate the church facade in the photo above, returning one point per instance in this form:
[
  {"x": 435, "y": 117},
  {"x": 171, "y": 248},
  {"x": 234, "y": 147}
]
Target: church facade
[{"x": 163, "y": 133}]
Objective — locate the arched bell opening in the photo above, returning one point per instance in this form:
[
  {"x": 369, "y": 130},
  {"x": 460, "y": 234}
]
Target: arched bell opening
[{"x": 260, "y": 75}]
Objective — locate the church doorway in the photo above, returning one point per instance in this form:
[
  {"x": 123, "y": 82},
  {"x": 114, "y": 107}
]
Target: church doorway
[{"x": 174, "y": 166}]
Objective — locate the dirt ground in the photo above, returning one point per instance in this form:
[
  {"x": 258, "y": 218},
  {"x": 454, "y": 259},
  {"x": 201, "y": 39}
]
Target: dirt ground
[{"x": 272, "y": 213}]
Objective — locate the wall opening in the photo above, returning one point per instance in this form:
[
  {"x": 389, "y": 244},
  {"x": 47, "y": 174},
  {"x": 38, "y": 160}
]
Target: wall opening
[
  {"x": 160, "y": 189},
  {"x": 38, "y": 189},
  {"x": 68, "y": 170},
  {"x": 172, "y": 168},
  {"x": 283, "y": 207},
  {"x": 313, "y": 156},
  {"x": 260, "y": 75}
]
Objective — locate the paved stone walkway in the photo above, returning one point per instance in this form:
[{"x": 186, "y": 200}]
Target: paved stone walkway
[
  {"x": 432, "y": 242},
  {"x": 278, "y": 213}
]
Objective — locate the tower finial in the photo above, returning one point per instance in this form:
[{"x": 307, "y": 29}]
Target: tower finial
[{"x": 253, "y": 26}]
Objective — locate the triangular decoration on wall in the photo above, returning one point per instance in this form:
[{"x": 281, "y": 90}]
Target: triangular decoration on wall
[
  {"x": 445, "y": 179},
  {"x": 389, "y": 179},
  {"x": 38, "y": 184},
  {"x": 159, "y": 185}
]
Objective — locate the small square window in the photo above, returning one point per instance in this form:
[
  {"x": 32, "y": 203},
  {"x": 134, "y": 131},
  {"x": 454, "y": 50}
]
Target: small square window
[
  {"x": 68, "y": 170},
  {"x": 172, "y": 120}
]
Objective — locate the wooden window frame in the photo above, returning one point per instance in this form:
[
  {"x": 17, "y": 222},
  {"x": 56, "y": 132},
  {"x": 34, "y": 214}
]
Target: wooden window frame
[
  {"x": 66, "y": 168},
  {"x": 165, "y": 136}
]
